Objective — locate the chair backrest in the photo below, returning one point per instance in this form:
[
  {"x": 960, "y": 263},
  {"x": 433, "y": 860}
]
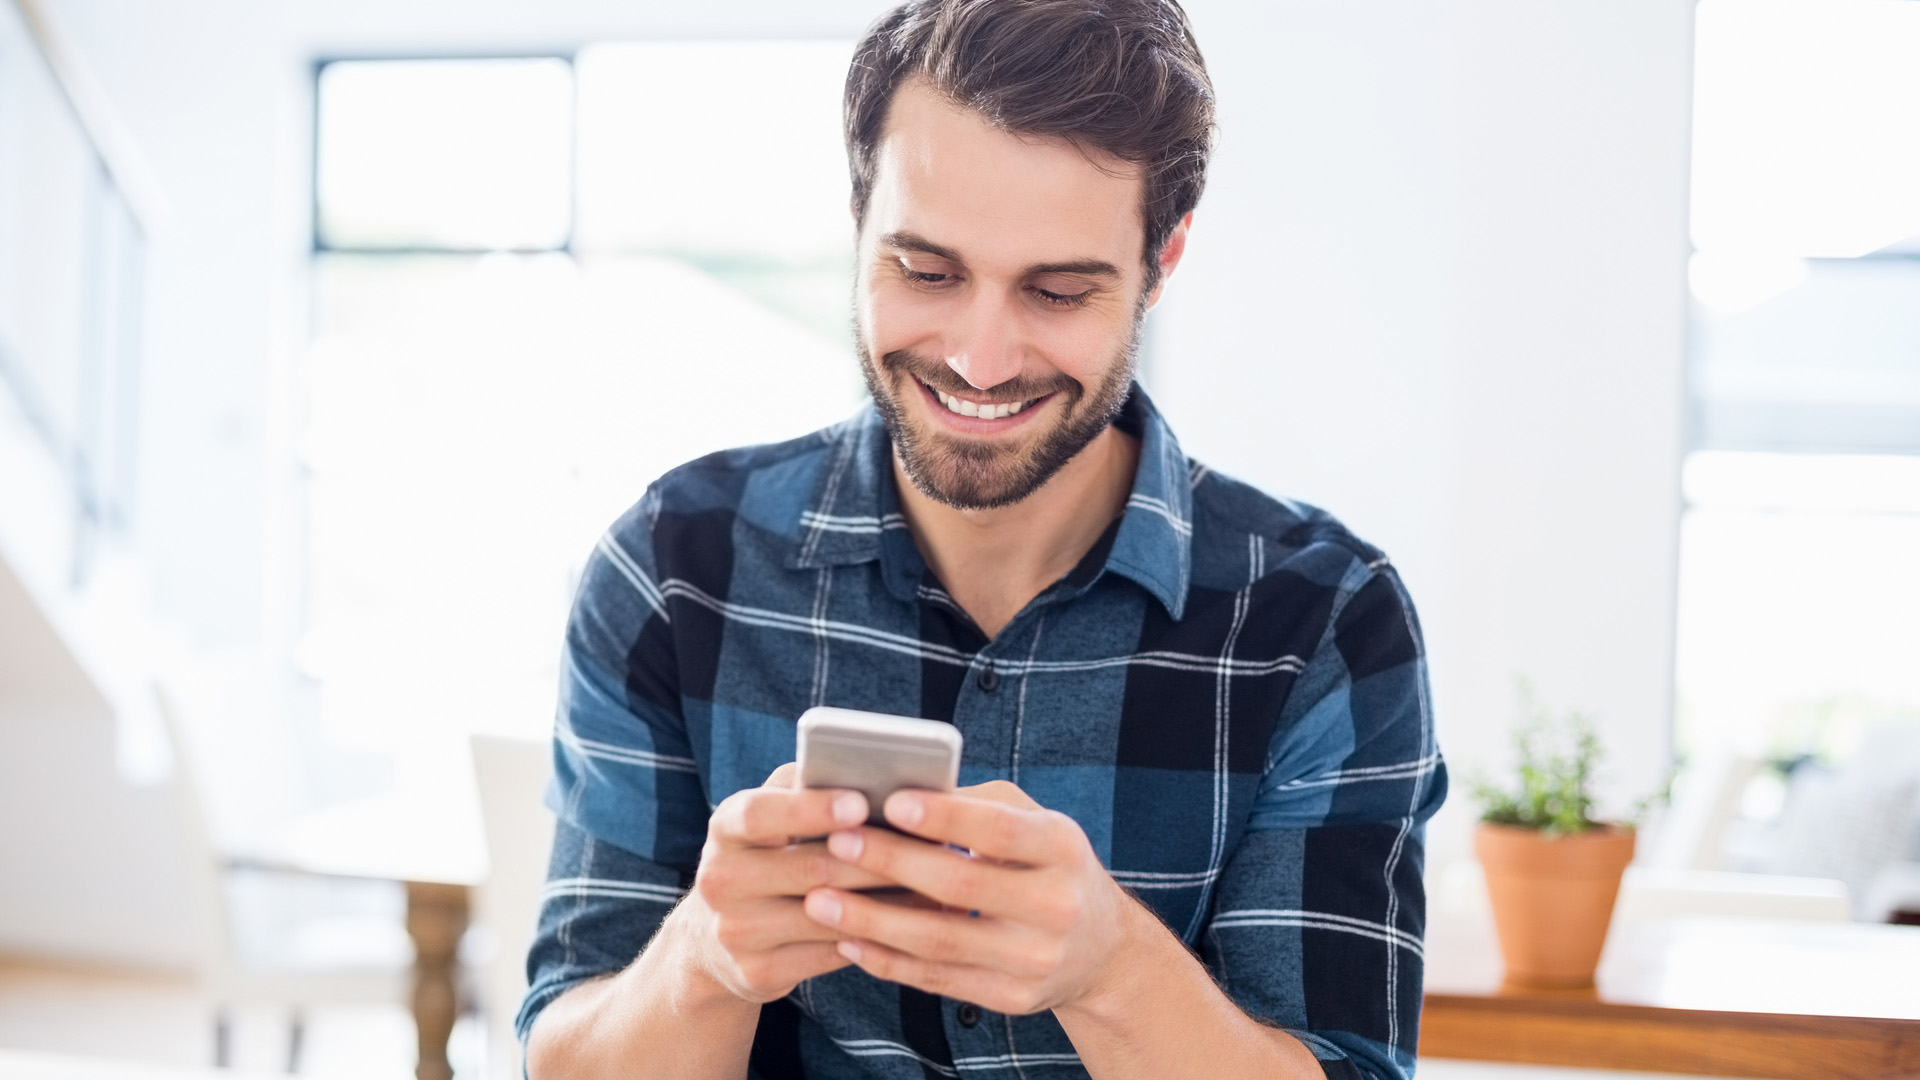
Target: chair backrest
[
  {"x": 511, "y": 775},
  {"x": 1691, "y": 834},
  {"x": 217, "y": 966}
]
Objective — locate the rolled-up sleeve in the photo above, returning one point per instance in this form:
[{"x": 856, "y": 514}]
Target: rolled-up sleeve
[
  {"x": 600, "y": 908},
  {"x": 627, "y": 794},
  {"x": 1318, "y": 922}
]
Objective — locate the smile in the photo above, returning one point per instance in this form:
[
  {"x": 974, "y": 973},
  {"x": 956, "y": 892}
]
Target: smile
[{"x": 983, "y": 409}]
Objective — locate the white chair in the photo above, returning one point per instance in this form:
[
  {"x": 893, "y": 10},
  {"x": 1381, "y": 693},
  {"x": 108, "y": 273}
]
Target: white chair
[
  {"x": 284, "y": 940},
  {"x": 511, "y": 775},
  {"x": 1650, "y": 892},
  {"x": 1858, "y": 822},
  {"x": 1460, "y": 891},
  {"x": 1691, "y": 833}
]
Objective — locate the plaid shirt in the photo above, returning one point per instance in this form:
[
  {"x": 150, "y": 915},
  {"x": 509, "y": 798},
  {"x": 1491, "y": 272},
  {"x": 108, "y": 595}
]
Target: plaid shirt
[{"x": 1228, "y": 693}]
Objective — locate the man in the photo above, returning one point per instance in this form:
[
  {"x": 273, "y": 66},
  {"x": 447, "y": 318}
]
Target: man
[{"x": 1198, "y": 749}]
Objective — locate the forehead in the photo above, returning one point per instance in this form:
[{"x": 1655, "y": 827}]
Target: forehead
[{"x": 945, "y": 173}]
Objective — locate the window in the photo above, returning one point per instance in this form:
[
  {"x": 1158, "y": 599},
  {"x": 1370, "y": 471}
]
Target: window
[
  {"x": 440, "y": 155},
  {"x": 539, "y": 283},
  {"x": 1800, "y": 549}
]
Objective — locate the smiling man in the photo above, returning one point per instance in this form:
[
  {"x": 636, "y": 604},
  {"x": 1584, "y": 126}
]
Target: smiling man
[{"x": 1198, "y": 748}]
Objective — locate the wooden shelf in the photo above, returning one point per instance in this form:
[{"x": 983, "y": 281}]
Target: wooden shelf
[
  {"x": 1599, "y": 1035},
  {"x": 1764, "y": 998}
]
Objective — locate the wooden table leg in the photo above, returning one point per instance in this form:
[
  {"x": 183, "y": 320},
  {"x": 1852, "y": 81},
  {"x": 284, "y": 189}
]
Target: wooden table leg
[{"x": 436, "y": 918}]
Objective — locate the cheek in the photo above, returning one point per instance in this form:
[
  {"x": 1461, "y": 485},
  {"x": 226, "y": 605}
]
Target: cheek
[
  {"x": 1082, "y": 348},
  {"x": 895, "y": 318}
]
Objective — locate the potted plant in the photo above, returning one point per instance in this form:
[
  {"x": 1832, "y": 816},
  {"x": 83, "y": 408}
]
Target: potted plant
[{"x": 1553, "y": 870}]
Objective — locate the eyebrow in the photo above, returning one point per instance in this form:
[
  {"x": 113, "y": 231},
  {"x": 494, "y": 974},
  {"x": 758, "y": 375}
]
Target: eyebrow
[{"x": 909, "y": 241}]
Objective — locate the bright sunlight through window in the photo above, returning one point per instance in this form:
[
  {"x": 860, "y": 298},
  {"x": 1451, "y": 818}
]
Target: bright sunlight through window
[
  {"x": 1800, "y": 548},
  {"x": 477, "y": 416}
]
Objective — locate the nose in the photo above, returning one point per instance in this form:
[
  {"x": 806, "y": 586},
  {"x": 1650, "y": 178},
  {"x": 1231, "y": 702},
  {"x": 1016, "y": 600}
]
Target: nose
[{"x": 985, "y": 346}]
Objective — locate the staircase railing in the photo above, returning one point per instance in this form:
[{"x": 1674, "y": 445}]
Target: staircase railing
[{"x": 76, "y": 207}]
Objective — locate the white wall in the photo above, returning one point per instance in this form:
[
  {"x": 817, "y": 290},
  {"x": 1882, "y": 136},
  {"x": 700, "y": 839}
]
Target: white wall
[
  {"x": 1437, "y": 285},
  {"x": 96, "y": 869},
  {"x": 92, "y": 866}
]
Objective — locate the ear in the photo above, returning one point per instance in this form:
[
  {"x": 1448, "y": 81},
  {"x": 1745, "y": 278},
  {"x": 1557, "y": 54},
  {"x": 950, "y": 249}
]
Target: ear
[{"x": 1170, "y": 253}]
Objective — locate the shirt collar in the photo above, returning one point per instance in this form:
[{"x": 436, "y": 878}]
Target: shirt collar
[{"x": 853, "y": 515}]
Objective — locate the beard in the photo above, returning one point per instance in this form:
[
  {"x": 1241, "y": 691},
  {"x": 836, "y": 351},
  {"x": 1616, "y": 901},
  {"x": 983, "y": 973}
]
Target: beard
[{"x": 984, "y": 474}]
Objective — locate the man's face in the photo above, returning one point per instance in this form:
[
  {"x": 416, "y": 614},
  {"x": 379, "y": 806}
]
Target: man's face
[{"x": 998, "y": 299}]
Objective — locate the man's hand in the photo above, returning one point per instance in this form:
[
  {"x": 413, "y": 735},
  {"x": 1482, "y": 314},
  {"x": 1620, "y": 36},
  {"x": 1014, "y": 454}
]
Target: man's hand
[
  {"x": 1032, "y": 920},
  {"x": 744, "y": 920}
]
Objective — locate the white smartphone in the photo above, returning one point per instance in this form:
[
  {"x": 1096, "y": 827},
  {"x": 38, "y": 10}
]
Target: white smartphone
[{"x": 876, "y": 754}]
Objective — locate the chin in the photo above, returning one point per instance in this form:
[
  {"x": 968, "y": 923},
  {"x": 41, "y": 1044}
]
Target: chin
[{"x": 988, "y": 473}]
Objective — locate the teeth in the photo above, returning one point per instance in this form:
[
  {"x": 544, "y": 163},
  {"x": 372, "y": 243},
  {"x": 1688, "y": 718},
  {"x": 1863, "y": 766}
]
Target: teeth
[{"x": 973, "y": 408}]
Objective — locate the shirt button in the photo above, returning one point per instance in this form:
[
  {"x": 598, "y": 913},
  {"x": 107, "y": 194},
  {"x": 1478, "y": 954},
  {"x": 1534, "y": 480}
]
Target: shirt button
[
  {"x": 989, "y": 679},
  {"x": 968, "y": 1014}
]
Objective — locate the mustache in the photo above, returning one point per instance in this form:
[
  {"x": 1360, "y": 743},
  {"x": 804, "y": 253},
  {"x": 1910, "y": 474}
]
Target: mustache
[{"x": 938, "y": 375}]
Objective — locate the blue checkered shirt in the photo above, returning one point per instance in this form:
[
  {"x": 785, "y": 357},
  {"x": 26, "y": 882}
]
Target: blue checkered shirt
[{"x": 1228, "y": 693}]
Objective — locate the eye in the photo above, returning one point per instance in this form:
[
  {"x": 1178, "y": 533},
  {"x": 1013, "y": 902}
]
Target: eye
[
  {"x": 1055, "y": 299},
  {"x": 925, "y": 279}
]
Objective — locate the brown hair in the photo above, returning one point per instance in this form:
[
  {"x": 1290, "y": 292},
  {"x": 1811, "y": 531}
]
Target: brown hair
[{"x": 1123, "y": 77}]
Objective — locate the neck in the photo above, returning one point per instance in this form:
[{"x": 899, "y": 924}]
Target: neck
[{"x": 994, "y": 562}]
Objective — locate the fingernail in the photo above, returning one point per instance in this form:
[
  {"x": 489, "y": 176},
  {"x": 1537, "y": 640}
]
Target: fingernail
[
  {"x": 849, "y": 808},
  {"x": 850, "y": 950},
  {"x": 824, "y": 907},
  {"x": 905, "y": 809},
  {"x": 846, "y": 845}
]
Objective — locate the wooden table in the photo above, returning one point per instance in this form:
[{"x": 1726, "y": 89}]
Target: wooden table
[
  {"x": 1771, "y": 998},
  {"x": 427, "y": 836}
]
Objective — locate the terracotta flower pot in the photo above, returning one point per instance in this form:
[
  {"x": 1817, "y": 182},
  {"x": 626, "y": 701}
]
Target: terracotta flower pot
[{"x": 1552, "y": 898}]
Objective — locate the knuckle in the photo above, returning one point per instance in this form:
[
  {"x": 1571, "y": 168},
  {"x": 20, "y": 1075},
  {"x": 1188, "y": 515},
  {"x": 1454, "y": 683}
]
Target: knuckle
[
  {"x": 1015, "y": 998},
  {"x": 756, "y": 974},
  {"x": 960, "y": 881},
  {"x": 1047, "y": 958},
  {"x": 817, "y": 868},
  {"x": 1007, "y": 830},
  {"x": 731, "y": 808},
  {"x": 942, "y": 946},
  {"x": 936, "y": 979},
  {"x": 1063, "y": 908},
  {"x": 714, "y": 880},
  {"x": 1062, "y": 832},
  {"x": 705, "y": 889},
  {"x": 755, "y": 815},
  {"x": 728, "y": 931}
]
